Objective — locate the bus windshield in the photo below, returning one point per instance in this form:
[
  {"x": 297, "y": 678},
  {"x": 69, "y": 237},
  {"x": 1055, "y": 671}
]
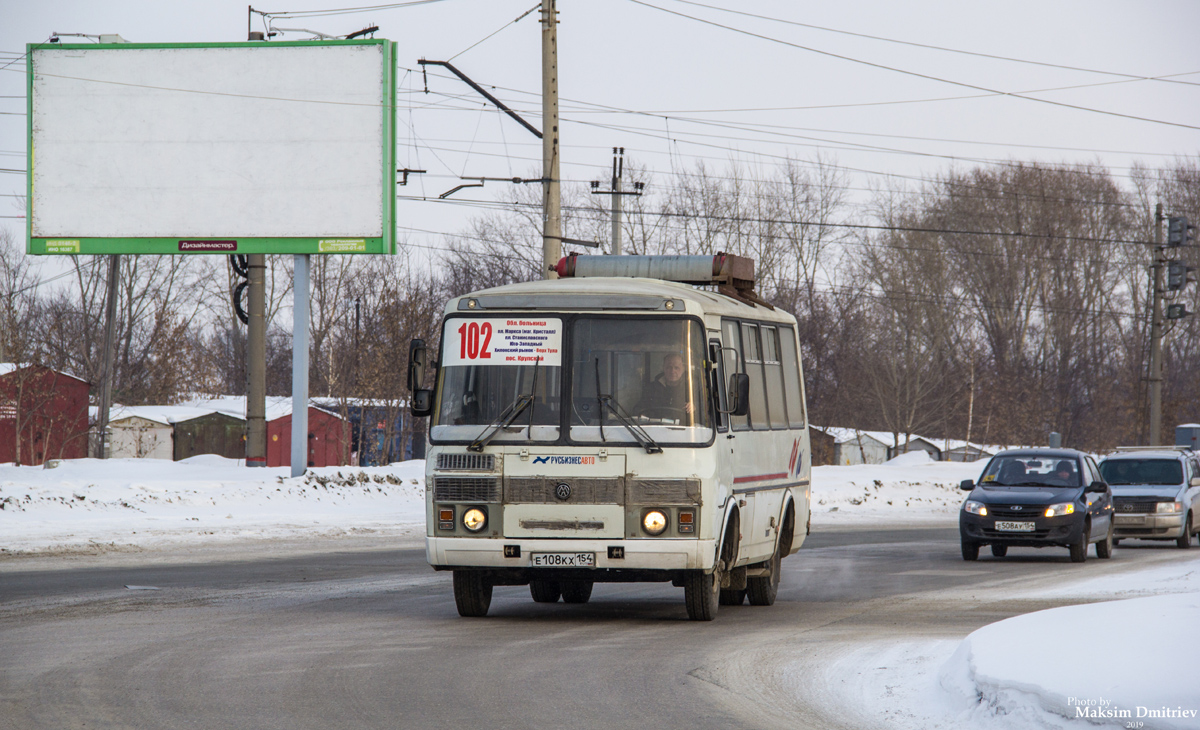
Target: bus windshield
[
  {"x": 632, "y": 374},
  {"x": 500, "y": 372}
]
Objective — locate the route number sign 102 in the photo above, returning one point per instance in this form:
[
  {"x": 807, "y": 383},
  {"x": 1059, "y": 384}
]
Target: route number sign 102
[{"x": 474, "y": 339}]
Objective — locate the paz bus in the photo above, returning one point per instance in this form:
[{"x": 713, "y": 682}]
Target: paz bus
[{"x": 618, "y": 424}]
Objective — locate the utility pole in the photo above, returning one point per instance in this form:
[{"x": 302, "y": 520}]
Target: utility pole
[
  {"x": 110, "y": 327},
  {"x": 256, "y": 365},
  {"x": 552, "y": 194},
  {"x": 1156, "y": 331},
  {"x": 256, "y": 342},
  {"x": 617, "y": 196},
  {"x": 618, "y": 169}
]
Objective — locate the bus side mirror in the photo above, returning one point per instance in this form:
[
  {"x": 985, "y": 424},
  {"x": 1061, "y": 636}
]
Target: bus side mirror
[
  {"x": 739, "y": 393},
  {"x": 418, "y": 361}
]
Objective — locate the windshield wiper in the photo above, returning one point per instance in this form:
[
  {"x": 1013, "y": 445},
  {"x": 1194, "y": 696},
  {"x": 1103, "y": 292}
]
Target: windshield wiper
[
  {"x": 638, "y": 432},
  {"x": 505, "y": 419}
]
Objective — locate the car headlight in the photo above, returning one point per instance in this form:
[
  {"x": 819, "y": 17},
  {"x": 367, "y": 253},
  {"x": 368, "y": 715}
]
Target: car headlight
[
  {"x": 654, "y": 522},
  {"x": 1058, "y": 510},
  {"x": 474, "y": 519},
  {"x": 975, "y": 508},
  {"x": 1169, "y": 507}
]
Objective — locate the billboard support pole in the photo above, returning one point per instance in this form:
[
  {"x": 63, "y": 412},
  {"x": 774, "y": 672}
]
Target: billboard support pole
[{"x": 300, "y": 284}]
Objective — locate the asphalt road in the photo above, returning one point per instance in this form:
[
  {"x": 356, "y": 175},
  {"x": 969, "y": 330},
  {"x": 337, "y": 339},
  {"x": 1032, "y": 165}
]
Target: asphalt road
[{"x": 370, "y": 638}]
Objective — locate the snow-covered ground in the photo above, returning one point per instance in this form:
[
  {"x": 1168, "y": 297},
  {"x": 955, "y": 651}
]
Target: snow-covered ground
[
  {"x": 1078, "y": 666},
  {"x": 205, "y": 499}
]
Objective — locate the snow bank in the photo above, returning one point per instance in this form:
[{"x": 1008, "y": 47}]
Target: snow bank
[
  {"x": 145, "y": 501},
  {"x": 909, "y": 488},
  {"x": 1117, "y": 662}
]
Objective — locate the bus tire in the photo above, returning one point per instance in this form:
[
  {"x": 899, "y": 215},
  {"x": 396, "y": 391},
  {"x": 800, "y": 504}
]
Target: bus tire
[
  {"x": 762, "y": 590},
  {"x": 576, "y": 591},
  {"x": 544, "y": 591},
  {"x": 472, "y": 593},
  {"x": 701, "y": 593}
]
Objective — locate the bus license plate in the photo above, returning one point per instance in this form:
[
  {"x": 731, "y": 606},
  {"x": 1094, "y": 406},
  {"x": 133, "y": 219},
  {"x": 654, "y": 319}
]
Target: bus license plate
[
  {"x": 1015, "y": 526},
  {"x": 564, "y": 560}
]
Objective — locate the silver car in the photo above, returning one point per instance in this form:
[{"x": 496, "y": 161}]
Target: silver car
[{"x": 1156, "y": 493}]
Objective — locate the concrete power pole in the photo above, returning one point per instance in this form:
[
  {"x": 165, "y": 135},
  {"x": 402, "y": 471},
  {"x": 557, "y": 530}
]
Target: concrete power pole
[
  {"x": 1156, "y": 331},
  {"x": 256, "y": 366},
  {"x": 552, "y": 194},
  {"x": 618, "y": 169},
  {"x": 110, "y": 346}
]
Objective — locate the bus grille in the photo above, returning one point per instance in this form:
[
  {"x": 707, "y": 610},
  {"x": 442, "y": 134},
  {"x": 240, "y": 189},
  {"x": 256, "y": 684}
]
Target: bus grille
[
  {"x": 663, "y": 491},
  {"x": 541, "y": 490},
  {"x": 466, "y": 489},
  {"x": 467, "y": 462}
]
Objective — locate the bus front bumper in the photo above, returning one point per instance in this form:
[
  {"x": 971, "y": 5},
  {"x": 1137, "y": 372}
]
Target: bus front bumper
[{"x": 661, "y": 554}]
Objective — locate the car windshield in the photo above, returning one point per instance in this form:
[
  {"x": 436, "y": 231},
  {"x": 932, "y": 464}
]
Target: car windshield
[
  {"x": 1142, "y": 471},
  {"x": 500, "y": 372},
  {"x": 638, "y": 378},
  {"x": 1041, "y": 471}
]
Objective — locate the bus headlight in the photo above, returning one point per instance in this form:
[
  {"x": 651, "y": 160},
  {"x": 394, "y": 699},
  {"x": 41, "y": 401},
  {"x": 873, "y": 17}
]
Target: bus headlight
[
  {"x": 654, "y": 522},
  {"x": 474, "y": 519}
]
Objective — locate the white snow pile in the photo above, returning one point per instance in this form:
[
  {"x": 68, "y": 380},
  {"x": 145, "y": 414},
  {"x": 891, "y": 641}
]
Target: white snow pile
[
  {"x": 909, "y": 488},
  {"x": 1120, "y": 662},
  {"x": 147, "y": 501}
]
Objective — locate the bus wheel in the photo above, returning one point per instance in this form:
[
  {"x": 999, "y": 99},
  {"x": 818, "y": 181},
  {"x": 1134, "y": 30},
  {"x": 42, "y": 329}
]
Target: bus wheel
[
  {"x": 544, "y": 591},
  {"x": 576, "y": 591},
  {"x": 701, "y": 592},
  {"x": 731, "y": 597},
  {"x": 762, "y": 591},
  {"x": 472, "y": 593}
]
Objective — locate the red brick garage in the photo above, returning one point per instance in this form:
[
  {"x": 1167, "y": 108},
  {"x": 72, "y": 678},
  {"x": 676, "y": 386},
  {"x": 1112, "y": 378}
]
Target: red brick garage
[{"x": 328, "y": 440}]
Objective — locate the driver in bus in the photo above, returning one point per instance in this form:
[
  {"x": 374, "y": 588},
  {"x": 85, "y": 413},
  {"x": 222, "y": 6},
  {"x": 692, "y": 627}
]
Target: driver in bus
[{"x": 668, "y": 396}]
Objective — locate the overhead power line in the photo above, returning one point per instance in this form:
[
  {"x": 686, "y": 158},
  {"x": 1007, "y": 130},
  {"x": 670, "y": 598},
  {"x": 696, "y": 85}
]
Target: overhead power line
[
  {"x": 936, "y": 48},
  {"x": 906, "y": 72}
]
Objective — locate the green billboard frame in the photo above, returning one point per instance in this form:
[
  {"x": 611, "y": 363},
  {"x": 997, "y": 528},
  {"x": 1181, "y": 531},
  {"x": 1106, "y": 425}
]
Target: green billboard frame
[{"x": 194, "y": 245}]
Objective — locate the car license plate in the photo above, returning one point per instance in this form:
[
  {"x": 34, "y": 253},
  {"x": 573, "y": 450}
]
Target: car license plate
[
  {"x": 1129, "y": 519},
  {"x": 564, "y": 560},
  {"x": 1015, "y": 526}
]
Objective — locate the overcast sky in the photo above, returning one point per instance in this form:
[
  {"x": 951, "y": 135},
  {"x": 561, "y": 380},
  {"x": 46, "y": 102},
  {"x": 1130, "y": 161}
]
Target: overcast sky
[{"x": 674, "y": 90}]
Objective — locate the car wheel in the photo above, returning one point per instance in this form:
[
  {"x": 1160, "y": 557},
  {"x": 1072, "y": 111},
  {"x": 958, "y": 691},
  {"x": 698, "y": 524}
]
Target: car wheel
[
  {"x": 1079, "y": 548},
  {"x": 544, "y": 591},
  {"x": 999, "y": 551},
  {"x": 472, "y": 593},
  {"x": 1185, "y": 540},
  {"x": 730, "y": 597},
  {"x": 1104, "y": 548},
  {"x": 576, "y": 591},
  {"x": 970, "y": 550}
]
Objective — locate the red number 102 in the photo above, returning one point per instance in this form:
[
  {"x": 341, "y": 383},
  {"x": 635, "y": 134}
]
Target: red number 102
[{"x": 468, "y": 339}]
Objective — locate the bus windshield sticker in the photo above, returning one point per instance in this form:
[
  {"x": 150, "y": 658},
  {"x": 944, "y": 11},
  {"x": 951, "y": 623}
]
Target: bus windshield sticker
[{"x": 503, "y": 341}]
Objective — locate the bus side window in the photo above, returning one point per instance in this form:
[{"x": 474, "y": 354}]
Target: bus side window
[
  {"x": 752, "y": 353},
  {"x": 791, "y": 378},
  {"x": 731, "y": 359},
  {"x": 774, "y": 373},
  {"x": 717, "y": 384}
]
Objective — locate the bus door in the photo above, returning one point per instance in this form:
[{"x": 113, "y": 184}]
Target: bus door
[{"x": 743, "y": 452}]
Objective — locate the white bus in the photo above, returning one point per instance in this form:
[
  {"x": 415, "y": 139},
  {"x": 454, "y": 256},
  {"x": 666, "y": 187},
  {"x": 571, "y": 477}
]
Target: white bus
[{"x": 616, "y": 426}]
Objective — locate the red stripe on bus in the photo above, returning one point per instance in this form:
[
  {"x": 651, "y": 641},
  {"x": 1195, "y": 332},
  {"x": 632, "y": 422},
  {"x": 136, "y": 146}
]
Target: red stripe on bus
[{"x": 760, "y": 478}]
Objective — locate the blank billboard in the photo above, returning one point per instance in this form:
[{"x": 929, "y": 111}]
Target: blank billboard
[{"x": 247, "y": 147}]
